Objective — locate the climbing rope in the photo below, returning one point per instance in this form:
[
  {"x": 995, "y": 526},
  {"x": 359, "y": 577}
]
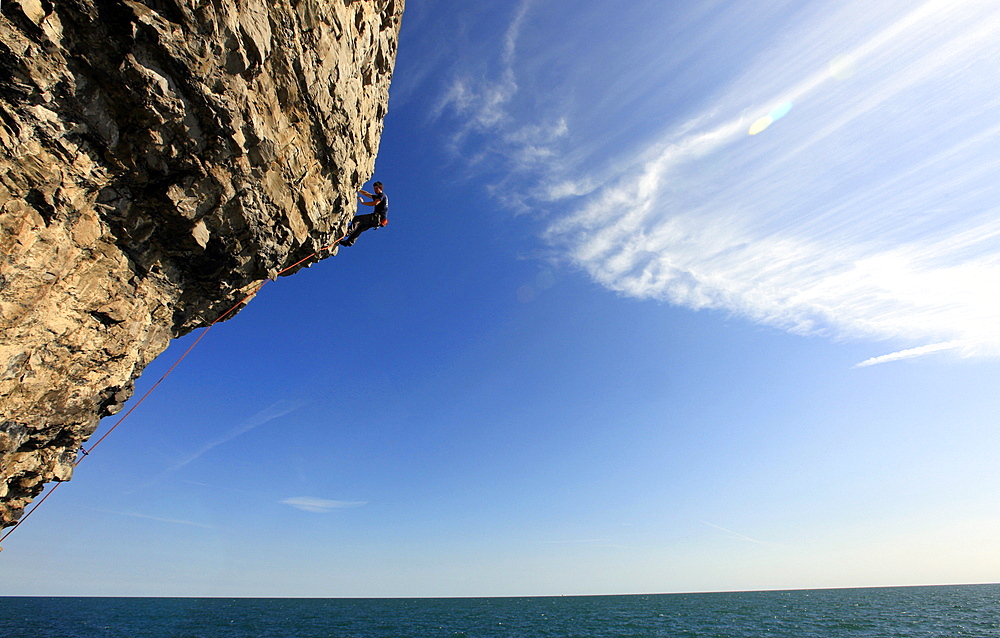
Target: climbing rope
[{"x": 86, "y": 452}]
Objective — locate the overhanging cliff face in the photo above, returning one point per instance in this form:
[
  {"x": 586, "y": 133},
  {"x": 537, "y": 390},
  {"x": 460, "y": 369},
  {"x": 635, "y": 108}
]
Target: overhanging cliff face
[{"x": 158, "y": 159}]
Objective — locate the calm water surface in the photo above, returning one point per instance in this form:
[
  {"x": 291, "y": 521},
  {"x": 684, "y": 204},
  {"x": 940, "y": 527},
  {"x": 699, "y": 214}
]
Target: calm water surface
[{"x": 952, "y": 611}]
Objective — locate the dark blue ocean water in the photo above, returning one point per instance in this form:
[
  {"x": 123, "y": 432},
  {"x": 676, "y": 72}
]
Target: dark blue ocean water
[{"x": 950, "y": 611}]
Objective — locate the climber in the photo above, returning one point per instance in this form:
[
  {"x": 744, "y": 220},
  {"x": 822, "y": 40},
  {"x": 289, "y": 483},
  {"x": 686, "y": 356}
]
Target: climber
[{"x": 375, "y": 219}]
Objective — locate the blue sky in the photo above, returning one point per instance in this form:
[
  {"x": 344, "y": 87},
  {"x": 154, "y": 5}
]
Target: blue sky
[{"x": 610, "y": 341}]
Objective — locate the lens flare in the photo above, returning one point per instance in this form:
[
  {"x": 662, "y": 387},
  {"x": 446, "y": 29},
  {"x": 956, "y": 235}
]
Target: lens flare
[
  {"x": 776, "y": 114},
  {"x": 780, "y": 111},
  {"x": 760, "y": 125}
]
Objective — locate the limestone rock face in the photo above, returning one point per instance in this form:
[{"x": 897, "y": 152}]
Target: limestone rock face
[{"x": 159, "y": 159}]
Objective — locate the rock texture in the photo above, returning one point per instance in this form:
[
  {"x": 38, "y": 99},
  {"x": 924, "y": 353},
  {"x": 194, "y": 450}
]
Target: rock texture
[{"x": 158, "y": 159}]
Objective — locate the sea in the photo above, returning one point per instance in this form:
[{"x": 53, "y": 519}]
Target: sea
[{"x": 944, "y": 611}]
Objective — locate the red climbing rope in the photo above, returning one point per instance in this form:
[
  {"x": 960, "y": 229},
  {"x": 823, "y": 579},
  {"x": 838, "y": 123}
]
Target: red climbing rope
[{"x": 86, "y": 452}]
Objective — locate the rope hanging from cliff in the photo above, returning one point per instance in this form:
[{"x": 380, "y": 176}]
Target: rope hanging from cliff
[{"x": 86, "y": 452}]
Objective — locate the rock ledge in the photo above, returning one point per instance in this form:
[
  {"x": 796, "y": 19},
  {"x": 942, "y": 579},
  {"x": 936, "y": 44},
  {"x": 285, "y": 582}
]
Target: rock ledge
[{"x": 159, "y": 159}]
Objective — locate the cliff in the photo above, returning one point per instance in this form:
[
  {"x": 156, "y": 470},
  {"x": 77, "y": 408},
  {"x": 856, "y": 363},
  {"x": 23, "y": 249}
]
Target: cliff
[{"x": 159, "y": 159}]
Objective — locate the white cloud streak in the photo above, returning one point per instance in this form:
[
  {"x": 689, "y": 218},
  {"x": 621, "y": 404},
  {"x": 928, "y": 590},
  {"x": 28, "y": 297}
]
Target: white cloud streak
[
  {"x": 486, "y": 133},
  {"x": 869, "y": 210},
  {"x": 910, "y": 353},
  {"x": 320, "y": 505},
  {"x": 738, "y": 536},
  {"x": 483, "y": 102},
  {"x": 159, "y": 519},
  {"x": 272, "y": 412},
  {"x": 594, "y": 542}
]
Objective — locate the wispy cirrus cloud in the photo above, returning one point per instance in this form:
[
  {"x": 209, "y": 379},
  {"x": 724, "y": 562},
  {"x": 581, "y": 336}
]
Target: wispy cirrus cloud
[
  {"x": 910, "y": 353},
  {"x": 592, "y": 542},
  {"x": 160, "y": 519},
  {"x": 483, "y": 100},
  {"x": 851, "y": 192},
  {"x": 736, "y": 535},
  {"x": 320, "y": 505},
  {"x": 486, "y": 132},
  {"x": 272, "y": 412}
]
